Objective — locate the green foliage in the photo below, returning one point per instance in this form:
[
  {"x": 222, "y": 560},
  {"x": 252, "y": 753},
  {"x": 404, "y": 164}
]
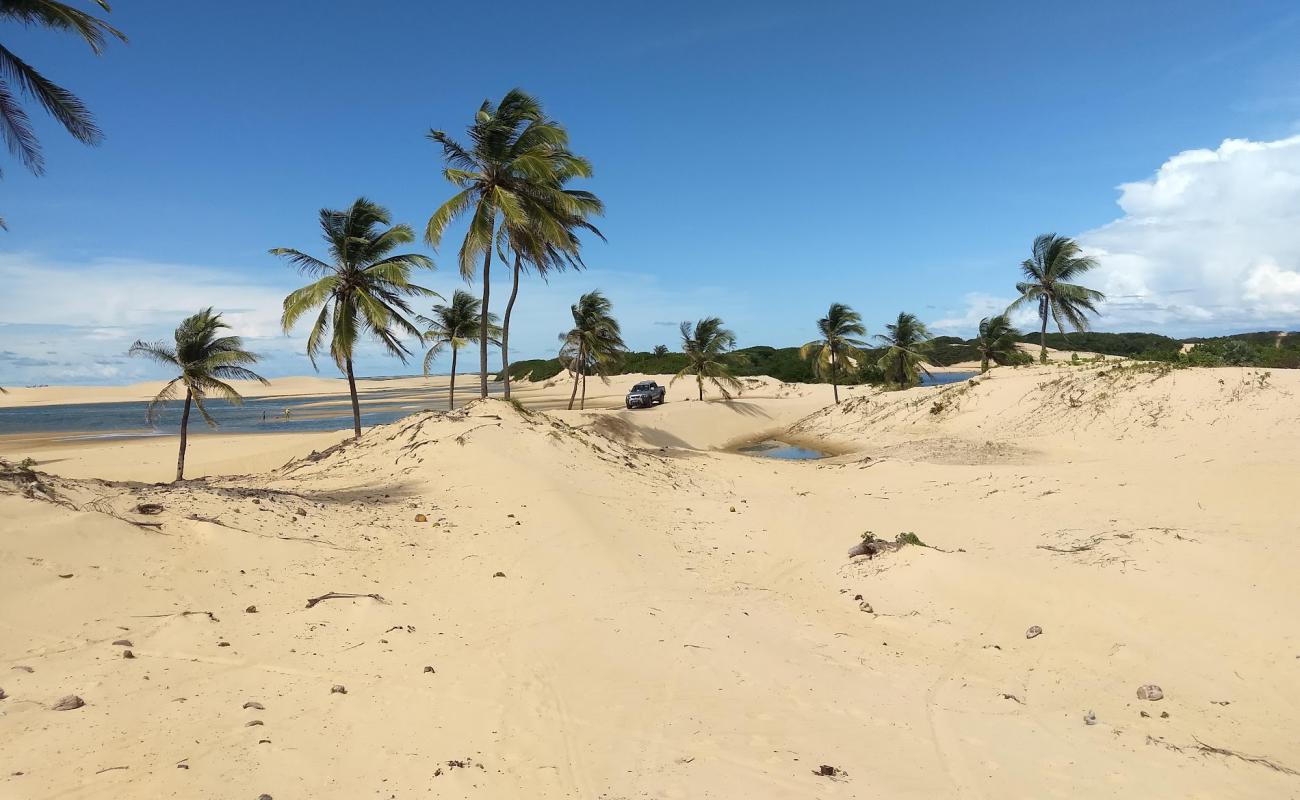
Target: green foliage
[
  {"x": 660, "y": 351},
  {"x": 27, "y": 463},
  {"x": 907, "y": 537},
  {"x": 708, "y": 349},
  {"x": 838, "y": 348},
  {"x": 594, "y": 344},
  {"x": 906, "y": 345},
  {"x": 1056, "y": 260},
  {"x": 996, "y": 342}
]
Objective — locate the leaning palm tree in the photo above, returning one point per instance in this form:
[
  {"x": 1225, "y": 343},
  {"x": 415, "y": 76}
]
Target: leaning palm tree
[
  {"x": 839, "y": 329},
  {"x": 206, "y": 361},
  {"x": 905, "y": 346},
  {"x": 18, "y": 77},
  {"x": 362, "y": 290},
  {"x": 997, "y": 341},
  {"x": 707, "y": 347},
  {"x": 594, "y": 343},
  {"x": 1057, "y": 260},
  {"x": 454, "y": 326},
  {"x": 512, "y": 174}
]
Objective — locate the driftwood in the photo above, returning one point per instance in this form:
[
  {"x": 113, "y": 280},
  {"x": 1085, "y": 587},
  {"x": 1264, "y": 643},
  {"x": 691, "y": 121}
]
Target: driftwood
[
  {"x": 209, "y": 615},
  {"x": 1223, "y": 751},
  {"x": 311, "y": 602}
]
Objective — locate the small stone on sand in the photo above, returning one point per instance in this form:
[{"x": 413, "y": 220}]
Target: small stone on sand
[
  {"x": 1150, "y": 692},
  {"x": 251, "y": 610},
  {"x": 127, "y": 654},
  {"x": 255, "y": 704},
  {"x": 1090, "y": 718},
  {"x": 421, "y": 518},
  {"x": 338, "y": 688},
  {"x": 253, "y": 722},
  {"x": 122, "y": 643},
  {"x": 1033, "y": 631},
  {"x": 68, "y": 703}
]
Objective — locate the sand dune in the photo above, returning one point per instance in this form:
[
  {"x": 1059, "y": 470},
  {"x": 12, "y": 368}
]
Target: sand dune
[{"x": 614, "y": 605}]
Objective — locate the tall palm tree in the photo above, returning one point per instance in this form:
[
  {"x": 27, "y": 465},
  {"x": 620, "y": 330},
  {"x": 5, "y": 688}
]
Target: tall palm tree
[
  {"x": 454, "y": 326},
  {"x": 706, "y": 348},
  {"x": 594, "y": 343},
  {"x": 362, "y": 290},
  {"x": 996, "y": 341},
  {"x": 206, "y": 361},
  {"x": 1056, "y": 260},
  {"x": 513, "y": 172},
  {"x": 18, "y": 77},
  {"x": 660, "y": 350},
  {"x": 905, "y": 346},
  {"x": 839, "y": 329},
  {"x": 532, "y": 249}
]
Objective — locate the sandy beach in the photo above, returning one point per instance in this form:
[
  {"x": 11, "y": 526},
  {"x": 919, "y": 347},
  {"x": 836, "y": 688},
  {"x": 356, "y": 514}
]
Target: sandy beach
[{"x": 612, "y": 603}]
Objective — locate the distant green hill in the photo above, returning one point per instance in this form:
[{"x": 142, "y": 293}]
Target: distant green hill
[{"x": 1262, "y": 349}]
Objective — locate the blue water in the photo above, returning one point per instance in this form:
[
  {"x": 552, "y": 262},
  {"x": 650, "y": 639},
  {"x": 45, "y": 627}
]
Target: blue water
[
  {"x": 256, "y": 415},
  {"x": 944, "y": 378},
  {"x": 774, "y": 448}
]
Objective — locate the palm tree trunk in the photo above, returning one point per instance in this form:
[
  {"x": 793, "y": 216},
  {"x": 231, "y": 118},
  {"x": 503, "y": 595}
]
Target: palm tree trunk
[
  {"x": 1042, "y": 334},
  {"x": 984, "y": 365},
  {"x": 356, "y": 405},
  {"x": 582, "y": 405},
  {"x": 573, "y": 395},
  {"x": 835, "y": 387},
  {"x": 505, "y": 327},
  {"x": 185, "y": 429},
  {"x": 699, "y": 381},
  {"x": 451, "y": 391},
  {"x": 483, "y": 317}
]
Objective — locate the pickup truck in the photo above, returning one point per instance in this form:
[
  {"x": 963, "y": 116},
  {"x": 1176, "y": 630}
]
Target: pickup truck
[{"x": 645, "y": 394}]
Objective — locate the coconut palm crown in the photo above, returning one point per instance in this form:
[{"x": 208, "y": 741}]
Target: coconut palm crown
[
  {"x": 1056, "y": 261},
  {"x": 361, "y": 290},
  {"x": 906, "y": 342},
  {"x": 593, "y": 345},
  {"x": 839, "y": 330},
  {"x": 206, "y": 360},
  {"x": 997, "y": 341},
  {"x": 707, "y": 347}
]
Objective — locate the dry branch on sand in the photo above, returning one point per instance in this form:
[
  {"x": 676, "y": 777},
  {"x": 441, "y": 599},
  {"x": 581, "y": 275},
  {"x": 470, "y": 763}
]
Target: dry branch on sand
[{"x": 311, "y": 602}]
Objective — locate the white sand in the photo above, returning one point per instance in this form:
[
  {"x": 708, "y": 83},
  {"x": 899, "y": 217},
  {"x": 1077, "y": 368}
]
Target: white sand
[{"x": 675, "y": 620}]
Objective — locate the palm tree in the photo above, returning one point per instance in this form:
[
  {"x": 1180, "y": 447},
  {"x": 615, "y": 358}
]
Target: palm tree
[
  {"x": 18, "y": 77},
  {"x": 660, "y": 350},
  {"x": 706, "y": 348},
  {"x": 996, "y": 341},
  {"x": 593, "y": 344},
  {"x": 838, "y": 330},
  {"x": 454, "y": 326},
  {"x": 1055, "y": 261},
  {"x": 532, "y": 247},
  {"x": 513, "y": 172},
  {"x": 363, "y": 290},
  {"x": 206, "y": 361},
  {"x": 905, "y": 345}
]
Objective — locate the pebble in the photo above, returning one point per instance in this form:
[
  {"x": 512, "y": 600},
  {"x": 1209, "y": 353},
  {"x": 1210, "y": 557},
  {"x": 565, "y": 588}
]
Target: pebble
[
  {"x": 338, "y": 688},
  {"x": 1033, "y": 631},
  {"x": 68, "y": 703},
  {"x": 253, "y": 722},
  {"x": 421, "y": 518},
  {"x": 1150, "y": 692},
  {"x": 498, "y": 574},
  {"x": 865, "y": 606},
  {"x": 2, "y": 694},
  {"x": 251, "y": 610},
  {"x": 255, "y": 704},
  {"x": 1090, "y": 718},
  {"x": 122, "y": 643},
  {"x": 429, "y": 669},
  {"x": 127, "y": 654}
]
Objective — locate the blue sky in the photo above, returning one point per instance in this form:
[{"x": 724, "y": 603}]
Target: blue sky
[{"x": 758, "y": 161}]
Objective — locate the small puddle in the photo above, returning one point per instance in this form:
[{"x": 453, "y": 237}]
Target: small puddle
[{"x": 774, "y": 448}]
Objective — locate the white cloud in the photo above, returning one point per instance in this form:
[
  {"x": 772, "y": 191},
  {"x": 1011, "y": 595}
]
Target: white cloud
[
  {"x": 1208, "y": 244},
  {"x": 979, "y": 305},
  {"x": 70, "y": 322}
]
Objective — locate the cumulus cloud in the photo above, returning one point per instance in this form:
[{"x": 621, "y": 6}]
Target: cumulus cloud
[{"x": 1210, "y": 243}]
